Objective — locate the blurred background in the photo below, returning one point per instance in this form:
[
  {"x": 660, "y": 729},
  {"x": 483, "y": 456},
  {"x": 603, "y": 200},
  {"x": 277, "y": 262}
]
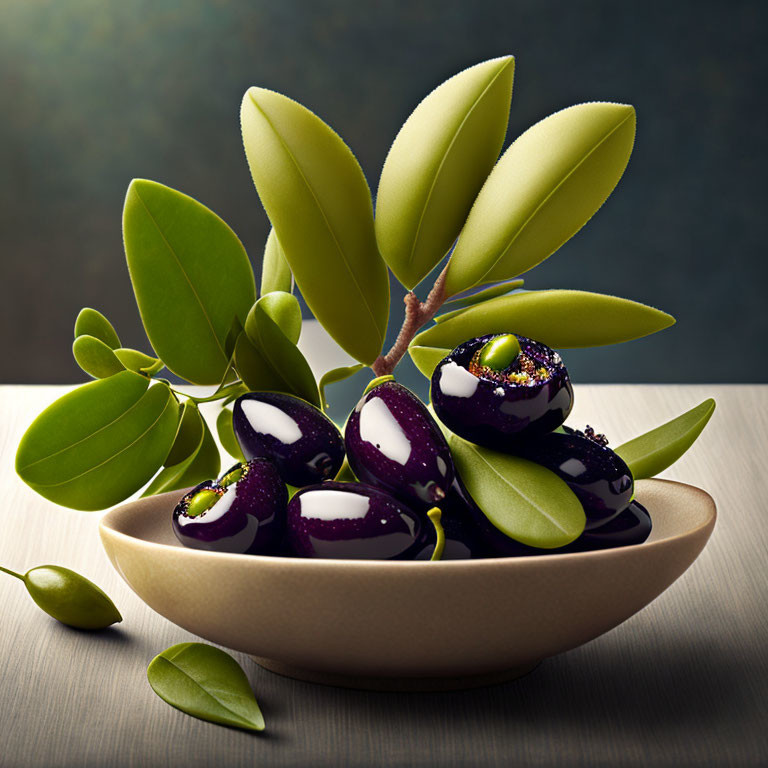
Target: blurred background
[{"x": 95, "y": 93}]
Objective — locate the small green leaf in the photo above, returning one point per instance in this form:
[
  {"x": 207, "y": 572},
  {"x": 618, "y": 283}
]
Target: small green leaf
[
  {"x": 334, "y": 375},
  {"x": 318, "y": 201},
  {"x": 206, "y": 683},
  {"x": 284, "y": 309},
  {"x": 437, "y": 165},
  {"x": 273, "y": 362},
  {"x": 543, "y": 190},
  {"x": 137, "y": 361},
  {"x": 559, "y": 318},
  {"x": 426, "y": 359},
  {"x": 206, "y": 463},
  {"x": 524, "y": 500},
  {"x": 95, "y": 357},
  {"x": 193, "y": 458},
  {"x": 477, "y": 298},
  {"x": 653, "y": 452},
  {"x": 227, "y": 434},
  {"x": 491, "y": 292},
  {"x": 90, "y": 322},
  {"x": 70, "y": 598},
  {"x": 189, "y": 433},
  {"x": 191, "y": 277},
  {"x": 100, "y": 443},
  {"x": 275, "y": 272}
]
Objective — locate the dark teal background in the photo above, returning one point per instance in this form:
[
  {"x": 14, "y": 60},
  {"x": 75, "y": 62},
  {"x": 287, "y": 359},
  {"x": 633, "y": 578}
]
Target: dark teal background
[{"x": 94, "y": 93}]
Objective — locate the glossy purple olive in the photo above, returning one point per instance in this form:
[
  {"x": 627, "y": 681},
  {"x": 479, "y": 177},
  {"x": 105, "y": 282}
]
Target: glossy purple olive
[
  {"x": 393, "y": 443},
  {"x": 301, "y": 440},
  {"x": 631, "y": 526},
  {"x": 351, "y": 521},
  {"x": 491, "y": 394},
  {"x": 598, "y": 476},
  {"x": 243, "y": 512}
]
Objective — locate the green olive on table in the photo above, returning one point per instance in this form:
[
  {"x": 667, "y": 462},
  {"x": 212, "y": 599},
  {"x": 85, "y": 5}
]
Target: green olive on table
[{"x": 69, "y": 597}]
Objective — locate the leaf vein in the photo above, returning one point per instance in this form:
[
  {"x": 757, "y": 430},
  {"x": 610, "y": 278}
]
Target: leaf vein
[
  {"x": 550, "y": 194},
  {"x": 235, "y": 714},
  {"x": 445, "y": 157},
  {"x": 184, "y": 273},
  {"x": 87, "y": 437},
  {"x": 114, "y": 456},
  {"x": 344, "y": 259},
  {"x": 520, "y": 493}
]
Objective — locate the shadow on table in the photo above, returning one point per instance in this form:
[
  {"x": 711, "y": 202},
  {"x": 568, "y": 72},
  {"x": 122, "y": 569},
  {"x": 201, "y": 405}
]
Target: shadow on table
[{"x": 602, "y": 691}]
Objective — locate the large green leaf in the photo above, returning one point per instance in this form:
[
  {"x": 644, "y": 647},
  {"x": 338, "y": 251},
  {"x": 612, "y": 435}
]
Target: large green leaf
[
  {"x": 95, "y": 357},
  {"x": 267, "y": 360},
  {"x": 559, "y": 318},
  {"x": 207, "y": 683},
  {"x": 546, "y": 186},
  {"x": 191, "y": 277},
  {"x": 653, "y": 452},
  {"x": 100, "y": 443},
  {"x": 437, "y": 165},
  {"x": 318, "y": 201},
  {"x": 284, "y": 309},
  {"x": 275, "y": 272},
  {"x": 90, "y": 322},
  {"x": 524, "y": 500}
]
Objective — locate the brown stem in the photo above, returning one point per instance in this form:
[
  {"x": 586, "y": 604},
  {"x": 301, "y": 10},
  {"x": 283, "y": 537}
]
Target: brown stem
[{"x": 417, "y": 314}]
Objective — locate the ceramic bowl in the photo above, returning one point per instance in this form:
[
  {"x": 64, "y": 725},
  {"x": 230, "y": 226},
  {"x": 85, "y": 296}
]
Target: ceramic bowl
[{"x": 395, "y": 625}]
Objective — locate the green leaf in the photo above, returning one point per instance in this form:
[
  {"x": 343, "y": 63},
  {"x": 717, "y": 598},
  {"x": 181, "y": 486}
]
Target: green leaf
[
  {"x": 477, "y": 298},
  {"x": 206, "y": 464},
  {"x": 206, "y": 683},
  {"x": 546, "y": 186},
  {"x": 227, "y": 434},
  {"x": 99, "y": 443},
  {"x": 273, "y": 361},
  {"x": 524, "y": 500},
  {"x": 653, "y": 452},
  {"x": 318, "y": 201},
  {"x": 189, "y": 433},
  {"x": 426, "y": 359},
  {"x": 437, "y": 165},
  {"x": 191, "y": 277},
  {"x": 559, "y": 318},
  {"x": 284, "y": 309},
  {"x": 194, "y": 456},
  {"x": 95, "y": 357},
  {"x": 334, "y": 375},
  {"x": 275, "y": 272},
  {"x": 90, "y": 322},
  {"x": 137, "y": 361}
]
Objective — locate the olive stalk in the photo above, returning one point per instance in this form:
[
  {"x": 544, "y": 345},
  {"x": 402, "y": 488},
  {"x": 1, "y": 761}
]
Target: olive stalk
[
  {"x": 434, "y": 516},
  {"x": 11, "y": 573},
  {"x": 417, "y": 314}
]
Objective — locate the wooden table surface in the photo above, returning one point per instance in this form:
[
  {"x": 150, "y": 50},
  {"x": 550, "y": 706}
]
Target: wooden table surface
[{"x": 684, "y": 682}]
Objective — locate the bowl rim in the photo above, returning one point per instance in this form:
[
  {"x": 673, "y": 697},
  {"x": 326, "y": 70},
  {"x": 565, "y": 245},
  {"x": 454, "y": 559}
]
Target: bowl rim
[{"x": 107, "y": 529}]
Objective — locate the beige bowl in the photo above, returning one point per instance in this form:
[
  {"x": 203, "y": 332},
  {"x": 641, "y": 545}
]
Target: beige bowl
[{"x": 391, "y": 625}]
